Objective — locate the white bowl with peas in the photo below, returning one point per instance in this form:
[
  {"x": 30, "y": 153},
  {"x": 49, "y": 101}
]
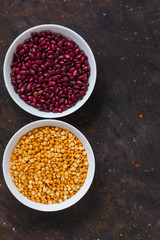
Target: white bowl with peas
[{"x": 48, "y": 165}]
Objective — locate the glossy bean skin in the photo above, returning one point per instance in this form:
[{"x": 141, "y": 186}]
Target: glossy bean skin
[{"x": 50, "y": 72}]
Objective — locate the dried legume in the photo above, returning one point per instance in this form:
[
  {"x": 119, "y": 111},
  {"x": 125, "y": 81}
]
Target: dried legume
[
  {"x": 49, "y": 165},
  {"x": 50, "y": 63}
]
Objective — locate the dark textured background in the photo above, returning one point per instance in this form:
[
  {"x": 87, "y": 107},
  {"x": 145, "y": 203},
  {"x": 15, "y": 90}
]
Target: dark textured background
[{"x": 121, "y": 120}]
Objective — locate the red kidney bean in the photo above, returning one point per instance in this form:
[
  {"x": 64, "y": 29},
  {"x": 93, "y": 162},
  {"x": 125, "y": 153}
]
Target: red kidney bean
[
  {"x": 56, "y": 91},
  {"x": 32, "y": 72},
  {"x": 53, "y": 47},
  {"x": 59, "y": 109},
  {"x": 42, "y": 42},
  {"x": 55, "y": 110},
  {"x": 55, "y": 61},
  {"x": 60, "y": 43},
  {"x": 31, "y": 98},
  {"x": 86, "y": 68},
  {"x": 19, "y": 47},
  {"x": 61, "y": 101},
  {"x": 23, "y": 72},
  {"x": 67, "y": 56},
  {"x": 28, "y": 64},
  {"x": 70, "y": 44},
  {"x": 39, "y": 92},
  {"x": 21, "y": 52},
  {"x": 79, "y": 96},
  {"x": 38, "y": 56},
  {"x": 33, "y": 88},
  {"x": 56, "y": 104},
  {"x": 84, "y": 88},
  {"x": 43, "y": 56},
  {"x": 43, "y": 67},
  {"x": 26, "y": 59},
  {"x": 61, "y": 57},
  {"x": 18, "y": 76},
  {"x": 60, "y": 93},
  {"x": 32, "y": 104},
  {"x": 85, "y": 77},
  {"x": 63, "y": 107},
  {"x": 75, "y": 72},
  {"x": 72, "y": 83},
  {"x": 79, "y": 56},
  {"x": 50, "y": 57},
  {"x": 58, "y": 66},
  {"x": 76, "y": 90},
  {"x": 39, "y": 62},
  {"x": 24, "y": 97},
  {"x": 62, "y": 62},
  {"x": 47, "y": 32},
  {"x": 47, "y": 75},
  {"x": 57, "y": 71},
  {"x": 22, "y": 89},
  {"x": 68, "y": 106},
  {"x": 77, "y": 51},
  {"x": 88, "y": 74},
  {"x": 23, "y": 77},
  {"x": 50, "y": 108},
  {"x": 71, "y": 69},
  {"x": 32, "y": 56},
  {"x": 82, "y": 93},
  {"x": 53, "y": 100},
  {"x": 23, "y": 68},
  {"x": 59, "y": 51},
  {"x": 65, "y": 90},
  {"x": 52, "y": 94},
  {"x": 38, "y": 85},
  {"x": 82, "y": 59},
  {"x": 34, "y": 34},
  {"x": 52, "y": 83},
  {"x": 41, "y": 100},
  {"x": 35, "y": 100},
  {"x": 76, "y": 86},
  {"x": 29, "y": 87},
  {"x": 64, "y": 68},
  {"x": 44, "y": 46},
  {"x": 41, "y": 39},
  {"x": 63, "y": 74},
  {"x": 73, "y": 97},
  {"x": 78, "y": 65},
  {"x": 47, "y": 96},
  {"x": 70, "y": 102},
  {"x": 79, "y": 83},
  {"x": 56, "y": 77},
  {"x": 72, "y": 54},
  {"x": 17, "y": 70},
  {"x": 31, "y": 79},
  {"x": 34, "y": 51},
  {"x": 57, "y": 38}
]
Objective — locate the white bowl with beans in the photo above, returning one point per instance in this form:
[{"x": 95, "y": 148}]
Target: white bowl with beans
[
  {"x": 49, "y": 71},
  {"x": 49, "y": 207}
]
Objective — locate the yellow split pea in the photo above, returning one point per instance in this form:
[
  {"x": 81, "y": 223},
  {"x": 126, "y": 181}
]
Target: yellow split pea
[{"x": 49, "y": 165}]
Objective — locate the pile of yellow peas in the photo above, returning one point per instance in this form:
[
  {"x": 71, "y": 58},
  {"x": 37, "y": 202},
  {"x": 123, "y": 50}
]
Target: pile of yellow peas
[{"x": 49, "y": 165}]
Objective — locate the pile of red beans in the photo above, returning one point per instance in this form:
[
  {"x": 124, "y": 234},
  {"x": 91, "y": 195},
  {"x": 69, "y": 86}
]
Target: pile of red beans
[{"x": 50, "y": 72}]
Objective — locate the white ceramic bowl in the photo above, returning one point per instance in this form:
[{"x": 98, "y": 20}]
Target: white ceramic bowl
[
  {"x": 56, "y": 206},
  {"x": 71, "y": 35}
]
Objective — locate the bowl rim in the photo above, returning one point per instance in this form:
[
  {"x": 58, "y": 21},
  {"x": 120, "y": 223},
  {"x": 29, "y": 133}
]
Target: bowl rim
[
  {"x": 57, "y": 28},
  {"x": 39, "y": 206}
]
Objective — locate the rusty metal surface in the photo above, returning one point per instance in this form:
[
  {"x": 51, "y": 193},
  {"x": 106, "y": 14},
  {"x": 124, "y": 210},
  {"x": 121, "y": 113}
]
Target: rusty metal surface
[{"x": 121, "y": 121}]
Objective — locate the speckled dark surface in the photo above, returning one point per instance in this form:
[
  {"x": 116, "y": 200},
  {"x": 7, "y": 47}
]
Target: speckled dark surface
[{"x": 121, "y": 120}]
